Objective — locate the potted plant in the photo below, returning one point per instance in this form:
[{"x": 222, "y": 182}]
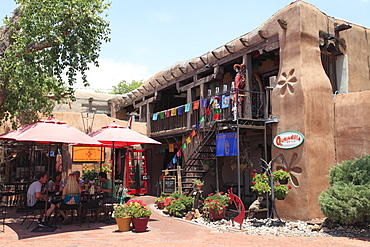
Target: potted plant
[
  {"x": 280, "y": 191},
  {"x": 90, "y": 175},
  {"x": 160, "y": 202},
  {"x": 139, "y": 213},
  {"x": 281, "y": 176},
  {"x": 215, "y": 204},
  {"x": 206, "y": 164},
  {"x": 179, "y": 204},
  {"x": 260, "y": 183},
  {"x": 122, "y": 214},
  {"x": 198, "y": 183}
]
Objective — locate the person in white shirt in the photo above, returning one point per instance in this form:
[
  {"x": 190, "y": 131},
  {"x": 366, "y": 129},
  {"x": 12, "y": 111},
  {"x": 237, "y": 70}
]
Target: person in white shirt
[{"x": 37, "y": 200}]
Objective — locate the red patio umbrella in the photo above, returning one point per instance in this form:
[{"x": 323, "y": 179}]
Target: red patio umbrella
[
  {"x": 50, "y": 130},
  {"x": 117, "y": 136}
]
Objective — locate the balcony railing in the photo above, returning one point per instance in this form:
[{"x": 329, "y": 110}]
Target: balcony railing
[{"x": 251, "y": 105}]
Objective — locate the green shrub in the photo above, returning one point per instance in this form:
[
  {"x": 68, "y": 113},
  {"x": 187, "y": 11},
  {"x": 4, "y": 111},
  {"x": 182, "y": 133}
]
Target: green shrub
[
  {"x": 348, "y": 199},
  {"x": 356, "y": 172},
  {"x": 180, "y": 204}
]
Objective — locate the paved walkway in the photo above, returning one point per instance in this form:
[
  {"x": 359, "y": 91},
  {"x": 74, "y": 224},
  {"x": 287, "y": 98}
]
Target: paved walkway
[{"x": 162, "y": 231}]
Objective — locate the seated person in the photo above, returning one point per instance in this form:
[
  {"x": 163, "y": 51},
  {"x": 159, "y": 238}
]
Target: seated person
[
  {"x": 107, "y": 186},
  {"x": 71, "y": 197},
  {"x": 37, "y": 200},
  {"x": 56, "y": 184},
  {"x": 81, "y": 183}
]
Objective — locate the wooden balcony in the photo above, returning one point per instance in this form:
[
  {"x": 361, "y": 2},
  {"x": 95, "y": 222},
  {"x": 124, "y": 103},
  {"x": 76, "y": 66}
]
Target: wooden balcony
[{"x": 254, "y": 110}]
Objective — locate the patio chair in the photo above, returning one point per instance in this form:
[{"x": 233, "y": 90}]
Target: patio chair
[
  {"x": 70, "y": 204},
  {"x": 35, "y": 210},
  {"x": 90, "y": 205}
]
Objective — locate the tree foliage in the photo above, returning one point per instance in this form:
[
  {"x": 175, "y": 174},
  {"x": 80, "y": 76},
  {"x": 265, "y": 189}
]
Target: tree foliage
[
  {"x": 45, "y": 46},
  {"x": 348, "y": 199},
  {"x": 124, "y": 87}
]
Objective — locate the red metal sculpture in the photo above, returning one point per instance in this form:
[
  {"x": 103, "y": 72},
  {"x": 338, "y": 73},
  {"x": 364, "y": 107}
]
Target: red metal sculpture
[{"x": 239, "y": 206}]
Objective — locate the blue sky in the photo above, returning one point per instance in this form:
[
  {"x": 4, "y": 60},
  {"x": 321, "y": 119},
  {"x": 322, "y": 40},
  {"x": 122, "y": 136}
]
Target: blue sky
[{"x": 148, "y": 36}]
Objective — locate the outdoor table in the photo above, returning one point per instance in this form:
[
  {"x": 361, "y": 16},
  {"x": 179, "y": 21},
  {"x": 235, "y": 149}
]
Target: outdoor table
[{"x": 90, "y": 203}]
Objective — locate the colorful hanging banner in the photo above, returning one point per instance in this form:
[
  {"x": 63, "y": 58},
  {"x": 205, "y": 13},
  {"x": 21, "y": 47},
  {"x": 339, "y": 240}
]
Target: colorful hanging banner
[
  {"x": 167, "y": 113},
  {"x": 183, "y": 146},
  {"x": 226, "y": 144},
  {"x": 180, "y": 110},
  {"x": 178, "y": 153},
  {"x": 188, "y": 140},
  {"x": 225, "y": 102},
  {"x": 174, "y": 160},
  {"x": 193, "y": 133},
  {"x": 187, "y": 107},
  {"x": 201, "y": 119},
  {"x": 161, "y": 115},
  {"x": 203, "y": 103},
  {"x": 155, "y": 117},
  {"x": 208, "y": 111},
  {"x": 173, "y": 112},
  {"x": 196, "y": 105}
]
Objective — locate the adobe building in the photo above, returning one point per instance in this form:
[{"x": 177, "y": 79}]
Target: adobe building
[{"x": 300, "y": 71}]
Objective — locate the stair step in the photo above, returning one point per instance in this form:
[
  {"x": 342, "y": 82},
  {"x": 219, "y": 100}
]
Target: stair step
[
  {"x": 198, "y": 171},
  {"x": 187, "y": 188}
]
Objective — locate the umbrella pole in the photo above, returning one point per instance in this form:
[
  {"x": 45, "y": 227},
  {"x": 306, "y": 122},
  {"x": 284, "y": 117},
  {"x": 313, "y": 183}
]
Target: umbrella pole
[
  {"x": 113, "y": 170},
  {"x": 46, "y": 186}
]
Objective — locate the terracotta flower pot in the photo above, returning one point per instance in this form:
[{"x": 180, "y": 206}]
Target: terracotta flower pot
[
  {"x": 123, "y": 224},
  {"x": 160, "y": 205},
  {"x": 140, "y": 224},
  {"x": 214, "y": 214}
]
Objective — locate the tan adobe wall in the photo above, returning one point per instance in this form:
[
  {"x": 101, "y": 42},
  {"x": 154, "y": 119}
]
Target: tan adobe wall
[{"x": 352, "y": 124}]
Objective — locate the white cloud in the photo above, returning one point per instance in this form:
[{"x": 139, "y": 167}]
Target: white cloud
[{"x": 110, "y": 73}]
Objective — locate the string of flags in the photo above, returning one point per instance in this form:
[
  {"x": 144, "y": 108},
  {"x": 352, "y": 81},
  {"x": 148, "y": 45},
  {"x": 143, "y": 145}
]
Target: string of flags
[{"x": 215, "y": 103}]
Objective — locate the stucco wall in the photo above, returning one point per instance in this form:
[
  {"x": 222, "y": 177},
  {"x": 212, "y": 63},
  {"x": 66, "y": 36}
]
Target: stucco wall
[
  {"x": 352, "y": 124},
  {"x": 303, "y": 102}
]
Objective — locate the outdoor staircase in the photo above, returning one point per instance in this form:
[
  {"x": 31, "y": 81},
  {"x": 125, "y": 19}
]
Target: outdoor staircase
[{"x": 204, "y": 153}]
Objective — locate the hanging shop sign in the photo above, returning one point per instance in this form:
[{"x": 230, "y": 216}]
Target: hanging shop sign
[
  {"x": 87, "y": 154},
  {"x": 226, "y": 144},
  {"x": 288, "y": 140}
]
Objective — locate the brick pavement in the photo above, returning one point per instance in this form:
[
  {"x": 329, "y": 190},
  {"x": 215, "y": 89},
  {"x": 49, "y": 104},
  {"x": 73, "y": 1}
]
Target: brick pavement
[{"x": 162, "y": 230}]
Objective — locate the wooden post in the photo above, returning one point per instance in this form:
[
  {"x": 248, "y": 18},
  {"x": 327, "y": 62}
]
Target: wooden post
[{"x": 179, "y": 178}]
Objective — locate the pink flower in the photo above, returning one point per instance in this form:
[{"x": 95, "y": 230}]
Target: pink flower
[
  {"x": 289, "y": 187},
  {"x": 252, "y": 174},
  {"x": 253, "y": 183},
  {"x": 254, "y": 170}
]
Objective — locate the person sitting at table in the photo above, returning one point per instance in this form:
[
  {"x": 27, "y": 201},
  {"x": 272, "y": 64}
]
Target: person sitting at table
[
  {"x": 81, "y": 183},
  {"x": 56, "y": 184},
  {"x": 71, "y": 197},
  {"x": 38, "y": 201},
  {"x": 107, "y": 187}
]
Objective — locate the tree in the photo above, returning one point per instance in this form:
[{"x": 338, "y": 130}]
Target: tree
[
  {"x": 124, "y": 87},
  {"x": 44, "y": 46}
]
